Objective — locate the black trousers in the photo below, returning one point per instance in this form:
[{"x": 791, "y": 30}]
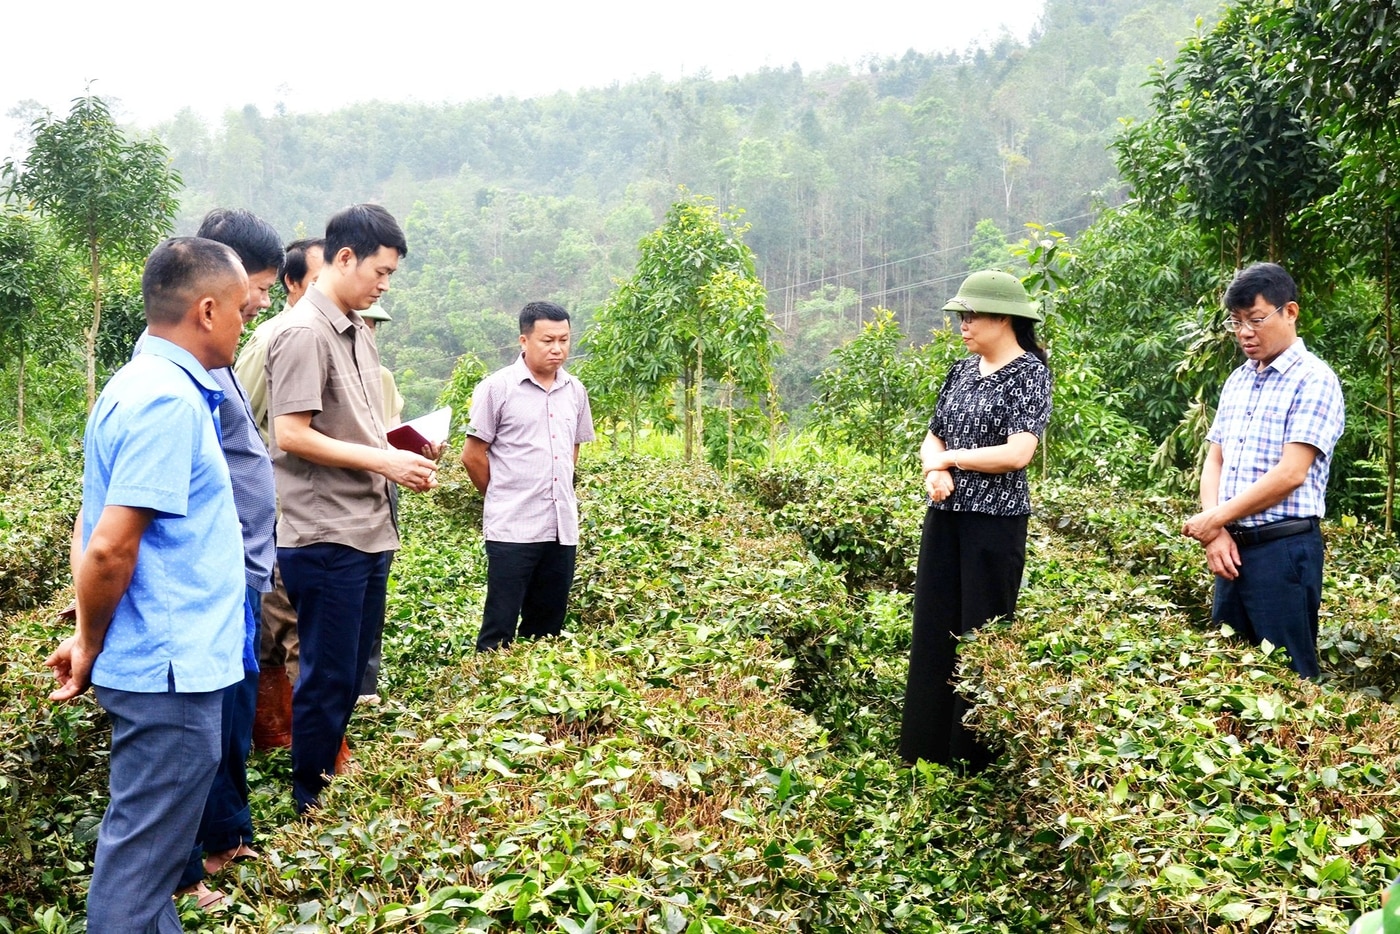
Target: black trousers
[
  {"x": 338, "y": 593},
  {"x": 970, "y": 567},
  {"x": 527, "y": 582}
]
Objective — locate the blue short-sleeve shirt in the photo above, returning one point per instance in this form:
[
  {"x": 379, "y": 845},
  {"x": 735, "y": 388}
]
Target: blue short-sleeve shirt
[{"x": 152, "y": 442}]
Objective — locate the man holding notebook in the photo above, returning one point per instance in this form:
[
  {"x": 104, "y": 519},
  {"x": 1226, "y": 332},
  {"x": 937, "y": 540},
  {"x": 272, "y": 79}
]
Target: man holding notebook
[{"x": 334, "y": 468}]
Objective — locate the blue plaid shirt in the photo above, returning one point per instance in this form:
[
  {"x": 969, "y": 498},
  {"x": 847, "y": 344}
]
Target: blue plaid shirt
[{"x": 1296, "y": 398}]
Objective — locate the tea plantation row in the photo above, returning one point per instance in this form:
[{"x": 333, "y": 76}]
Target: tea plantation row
[{"x": 711, "y": 747}]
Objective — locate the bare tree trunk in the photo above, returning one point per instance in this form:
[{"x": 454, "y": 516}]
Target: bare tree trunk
[
  {"x": 698, "y": 391},
  {"x": 729, "y": 427},
  {"x": 1389, "y": 391},
  {"x": 19, "y": 418},
  {"x": 687, "y": 399},
  {"x": 95, "y": 271}
]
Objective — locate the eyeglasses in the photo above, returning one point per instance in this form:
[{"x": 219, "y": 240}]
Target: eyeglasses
[
  {"x": 1233, "y": 324},
  {"x": 965, "y": 316}
]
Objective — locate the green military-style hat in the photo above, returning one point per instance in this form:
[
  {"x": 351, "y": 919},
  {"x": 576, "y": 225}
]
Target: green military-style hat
[
  {"x": 993, "y": 292},
  {"x": 375, "y": 313}
]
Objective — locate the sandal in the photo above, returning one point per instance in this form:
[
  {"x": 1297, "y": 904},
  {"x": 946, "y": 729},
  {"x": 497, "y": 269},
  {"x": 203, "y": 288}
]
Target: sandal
[
  {"x": 217, "y": 862},
  {"x": 205, "y": 898}
]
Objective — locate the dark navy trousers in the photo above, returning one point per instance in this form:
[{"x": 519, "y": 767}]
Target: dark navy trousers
[
  {"x": 227, "y": 820},
  {"x": 338, "y": 593},
  {"x": 1277, "y": 596}
]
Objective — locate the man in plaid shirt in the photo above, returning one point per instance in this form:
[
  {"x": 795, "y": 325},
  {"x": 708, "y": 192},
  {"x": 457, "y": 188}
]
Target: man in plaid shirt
[{"x": 1264, "y": 483}]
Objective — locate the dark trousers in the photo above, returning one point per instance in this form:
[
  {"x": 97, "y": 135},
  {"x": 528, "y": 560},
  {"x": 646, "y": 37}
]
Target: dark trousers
[
  {"x": 527, "y": 582},
  {"x": 165, "y": 748},
  {"x": 338, "y": 594},
  {"x": 227, "y": 820},
  {"x": 1277, "y": 596},
  {"x": 279, "y": 646},
  {"x": 369, "y": 684},
  {"x": 970, "y": 567}
]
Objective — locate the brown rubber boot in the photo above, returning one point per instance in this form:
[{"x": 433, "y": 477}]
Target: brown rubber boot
[
  {"x": 342, "y": 758},
  {"x": 272, "y": 721}
]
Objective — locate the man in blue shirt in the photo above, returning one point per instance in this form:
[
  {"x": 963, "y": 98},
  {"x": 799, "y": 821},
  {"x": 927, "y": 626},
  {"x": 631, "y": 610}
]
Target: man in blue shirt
[
  {"x": 1264, "y": 483},
  {"x": 226, "y": 830},
  {"x": 159, "y": 583}
]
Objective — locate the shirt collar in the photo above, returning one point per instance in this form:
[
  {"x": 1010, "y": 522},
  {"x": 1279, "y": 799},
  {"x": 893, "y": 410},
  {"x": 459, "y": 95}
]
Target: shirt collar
[
  {"x": 342, "y": 321},
  {"x": 1283, "y": 361},
  {"x": 521, "y": 372},
  {"x": 160, "y": 347}
]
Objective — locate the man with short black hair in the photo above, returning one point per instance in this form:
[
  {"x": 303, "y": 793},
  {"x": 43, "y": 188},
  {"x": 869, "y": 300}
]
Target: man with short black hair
[
  {"x": 1264, "y": 483},
  {"x": 279, "y": 650},
  {"x": 226, "y": 830},
  {"x": 527, "y": 422},
  {"x": 334, "y": 467},
  {"x": 160, "y": 588}
]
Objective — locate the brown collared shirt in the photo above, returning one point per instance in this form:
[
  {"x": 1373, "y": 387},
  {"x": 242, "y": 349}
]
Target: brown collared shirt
[{"x": 322, "y": 361}]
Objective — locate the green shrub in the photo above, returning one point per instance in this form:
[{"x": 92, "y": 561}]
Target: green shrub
[
  {"x": 651, "y": 771},
  {"x": 53, "y": 774},
  {"x": 40, "y": 493},
  {"x": 1185, "y": 776},
  {"x": 866, "y": 523},
  {"x": 1358, "y": 639}
]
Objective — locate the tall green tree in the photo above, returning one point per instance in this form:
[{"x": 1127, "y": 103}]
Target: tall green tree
[
  {"x": 111, "y": 197},
  {"x": 877, "y": 393},
  {"x": 1344, "y": 64},
  {"x": 18, "y": 254},
  {"x": 37, "y": 284},
  {"x": 989, "y": 249},
  {"x": 693, "y": 310},
  {"x": 1233, "y": 147}
]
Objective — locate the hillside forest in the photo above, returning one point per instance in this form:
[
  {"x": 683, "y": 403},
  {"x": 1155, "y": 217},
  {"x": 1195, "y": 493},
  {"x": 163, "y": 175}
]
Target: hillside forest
[
  {"x": 858, "y": 188},
  {"x": 756, "y": 267}
]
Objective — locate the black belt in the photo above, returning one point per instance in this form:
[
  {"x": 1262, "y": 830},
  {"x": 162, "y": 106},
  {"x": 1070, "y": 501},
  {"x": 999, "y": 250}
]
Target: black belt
[{"x": 1269, "y": 531}]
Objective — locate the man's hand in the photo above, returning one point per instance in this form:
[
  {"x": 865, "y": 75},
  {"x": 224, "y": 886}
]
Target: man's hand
[
  {"x": 72, "y": 665},
  {"x": 1223, "y": 556},
  {"x": 1204, "y": 526},
  {"x": 938, "y": 484},
  {"x": 433, "y": 452},
  {"x": 411, "y": 470}
]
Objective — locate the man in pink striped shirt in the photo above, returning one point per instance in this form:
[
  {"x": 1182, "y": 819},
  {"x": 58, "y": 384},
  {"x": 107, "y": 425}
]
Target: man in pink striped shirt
[{"x": 526, "y": 424}]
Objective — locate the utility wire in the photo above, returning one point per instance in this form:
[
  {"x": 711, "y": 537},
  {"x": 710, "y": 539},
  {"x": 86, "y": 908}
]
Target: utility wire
[{"x": 796, "y": 312}]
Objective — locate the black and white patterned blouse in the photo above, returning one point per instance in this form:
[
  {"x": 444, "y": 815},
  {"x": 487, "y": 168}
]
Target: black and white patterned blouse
[{"x": 976, "y": 411}]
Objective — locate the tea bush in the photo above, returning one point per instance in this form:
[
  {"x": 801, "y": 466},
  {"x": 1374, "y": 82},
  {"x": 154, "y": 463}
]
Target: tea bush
[
  {"x": 40, "y": 493},
  {"x": 1188, "y": 781},
  {"x": 1358, "y": 638},
  {"x": 710, "y": 747},
  {"x": 865, "y": 522}
]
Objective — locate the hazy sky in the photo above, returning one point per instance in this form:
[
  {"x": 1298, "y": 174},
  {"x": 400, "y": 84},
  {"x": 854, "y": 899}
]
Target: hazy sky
[{"x": 155, "y": 57}]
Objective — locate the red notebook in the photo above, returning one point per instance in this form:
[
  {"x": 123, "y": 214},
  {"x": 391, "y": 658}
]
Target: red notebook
[{"x": 422, "y": 431}]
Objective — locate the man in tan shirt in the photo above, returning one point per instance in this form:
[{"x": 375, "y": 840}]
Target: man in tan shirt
[{"x": 334, "y": 467}]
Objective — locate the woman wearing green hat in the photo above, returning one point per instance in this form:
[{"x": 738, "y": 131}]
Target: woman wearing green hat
[{"x": 990, "y": 415}]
